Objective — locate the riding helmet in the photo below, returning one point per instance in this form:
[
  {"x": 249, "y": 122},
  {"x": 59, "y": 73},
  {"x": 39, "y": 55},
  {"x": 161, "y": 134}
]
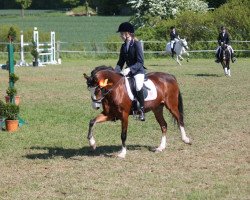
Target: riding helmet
[{"x": 126, "y": 27}]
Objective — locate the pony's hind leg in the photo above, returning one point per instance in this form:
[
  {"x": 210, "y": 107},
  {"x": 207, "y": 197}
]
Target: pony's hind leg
[
  {"x": 163, "y": 124},
  {"x": 176, "y": 110}
]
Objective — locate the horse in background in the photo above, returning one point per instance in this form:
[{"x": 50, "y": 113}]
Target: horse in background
[
  {"x": 225, "y": 56},
  {"x": 180, "y": 48},
  {"x": 108, "y": 88}
]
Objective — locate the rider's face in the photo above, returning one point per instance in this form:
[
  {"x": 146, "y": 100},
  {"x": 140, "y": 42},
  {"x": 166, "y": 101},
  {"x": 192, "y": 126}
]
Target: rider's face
[{"x": 125, "y": 36}]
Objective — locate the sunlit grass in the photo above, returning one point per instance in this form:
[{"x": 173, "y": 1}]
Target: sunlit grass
[{"x": 49, "y": 157}]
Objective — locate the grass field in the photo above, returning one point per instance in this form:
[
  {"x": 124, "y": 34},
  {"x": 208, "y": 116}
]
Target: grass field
[
  {"x": 49, "y": 157},
  {"x": 68, "y": 29}
]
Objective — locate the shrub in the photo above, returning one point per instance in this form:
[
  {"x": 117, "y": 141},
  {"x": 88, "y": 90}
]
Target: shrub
[{"x": 11, "y": 111}]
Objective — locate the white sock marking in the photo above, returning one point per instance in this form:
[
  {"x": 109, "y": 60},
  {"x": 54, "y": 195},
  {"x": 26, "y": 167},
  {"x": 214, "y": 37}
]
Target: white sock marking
[
  {"x": 184, "y": 136},
  {"x": 92, "y": 141},
  {"x": 163, "y": 144},
  {"x": 123, "y": 152}
]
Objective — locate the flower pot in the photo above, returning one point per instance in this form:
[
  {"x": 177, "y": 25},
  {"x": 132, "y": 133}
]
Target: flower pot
[
  {"x": 11, "y": 125},
  {"x": 17, "y": 99}
]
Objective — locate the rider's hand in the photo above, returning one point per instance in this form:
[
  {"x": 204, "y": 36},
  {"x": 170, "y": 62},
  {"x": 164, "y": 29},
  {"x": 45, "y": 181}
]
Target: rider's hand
[{"x": 125, "y": 71}]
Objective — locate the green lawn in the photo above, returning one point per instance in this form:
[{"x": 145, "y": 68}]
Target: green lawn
[
  {"x": 49, "y": 157},
  {"x": 67, "y": 28}
]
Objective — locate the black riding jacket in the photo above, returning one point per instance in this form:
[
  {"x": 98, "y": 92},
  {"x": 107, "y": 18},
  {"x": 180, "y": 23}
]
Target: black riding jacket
[
  {"x": 133, "y": 57},
  {"x": 173, "y": 35},
  {"x": 225, "y": 39}
]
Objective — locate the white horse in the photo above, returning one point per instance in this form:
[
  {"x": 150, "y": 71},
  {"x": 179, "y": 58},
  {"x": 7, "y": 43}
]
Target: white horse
[{"x": 180, "y": 48}]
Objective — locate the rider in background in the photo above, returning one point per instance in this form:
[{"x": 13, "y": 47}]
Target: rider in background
[
  {"x": 174, "y": 37},
  {"x": 224, "y": 38},
  {"x": 131, "y": 53}
]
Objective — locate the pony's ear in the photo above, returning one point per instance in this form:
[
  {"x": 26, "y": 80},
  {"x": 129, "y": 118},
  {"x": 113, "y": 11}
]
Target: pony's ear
[{"x": 86, "y": 76}]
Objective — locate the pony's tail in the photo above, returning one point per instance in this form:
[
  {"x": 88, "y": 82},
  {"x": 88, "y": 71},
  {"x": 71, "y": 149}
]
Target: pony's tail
[{"x": 181, "y": 109}]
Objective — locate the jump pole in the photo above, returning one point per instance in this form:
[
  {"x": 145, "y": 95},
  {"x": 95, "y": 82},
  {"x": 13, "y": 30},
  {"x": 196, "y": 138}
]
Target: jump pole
[{"x": 12, "y": 71}]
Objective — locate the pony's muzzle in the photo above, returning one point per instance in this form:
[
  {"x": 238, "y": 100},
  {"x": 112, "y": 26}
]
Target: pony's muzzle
[{"x": 96, "y": 106}]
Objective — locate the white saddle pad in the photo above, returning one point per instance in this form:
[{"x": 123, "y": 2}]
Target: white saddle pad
[
  {"x": 152, "y": 93},
  {"x": 168, "y": 47}
]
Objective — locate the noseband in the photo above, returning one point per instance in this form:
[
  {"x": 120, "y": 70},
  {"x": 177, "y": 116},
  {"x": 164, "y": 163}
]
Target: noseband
[{"x": 103, "y": 92}]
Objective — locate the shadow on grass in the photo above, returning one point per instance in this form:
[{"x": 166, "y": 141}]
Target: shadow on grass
[
  {"x": 106, "y": 151},
  {"x": 205, "y": 75}
]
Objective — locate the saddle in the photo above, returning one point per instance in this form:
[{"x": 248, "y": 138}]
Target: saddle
[
  {"x": 149, "y": 91},
  {"x": 222, "y": 49}
]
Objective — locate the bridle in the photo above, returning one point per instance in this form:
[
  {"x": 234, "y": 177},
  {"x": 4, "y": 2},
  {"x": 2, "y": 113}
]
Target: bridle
[{"x": 104, "y": 91}]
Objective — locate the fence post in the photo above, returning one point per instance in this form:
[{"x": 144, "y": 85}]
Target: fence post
[{"x": 142, "y": 45}]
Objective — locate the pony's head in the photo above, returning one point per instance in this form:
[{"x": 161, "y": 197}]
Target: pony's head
[
  {"x": 97, "y": 84},
  {"x": 184, "y": 43}
]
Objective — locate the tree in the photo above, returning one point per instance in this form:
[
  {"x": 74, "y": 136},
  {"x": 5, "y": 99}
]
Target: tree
[
  {"x": 24, "y": 4},
  {"x": 72, "y": 3},
  {"x": 149, "y": 12}
]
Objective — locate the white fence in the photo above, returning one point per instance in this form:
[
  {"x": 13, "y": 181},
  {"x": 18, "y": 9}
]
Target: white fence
[{"x": 101, "y": 47}]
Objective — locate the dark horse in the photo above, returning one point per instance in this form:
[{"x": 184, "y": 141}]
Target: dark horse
[
  {"x": 225, "y": 59},
  {"x": 108, "y": 88}
]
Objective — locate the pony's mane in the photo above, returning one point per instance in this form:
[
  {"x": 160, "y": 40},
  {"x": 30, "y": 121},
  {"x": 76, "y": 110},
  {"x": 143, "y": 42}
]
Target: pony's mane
[{"x": 102, "y": 67}]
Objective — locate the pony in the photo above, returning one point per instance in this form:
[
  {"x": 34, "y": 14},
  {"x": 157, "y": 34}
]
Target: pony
[
  {"x": 225, "y": 56},
  {"x": 108, "y": 90},
  {"x": 180, "y": 48}
]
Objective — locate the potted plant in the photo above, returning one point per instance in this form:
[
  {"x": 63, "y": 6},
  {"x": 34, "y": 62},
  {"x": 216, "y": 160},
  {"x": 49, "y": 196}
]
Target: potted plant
[
  {"x": 11, "y": 94},
  {"x": 13, "y": 77},
  {"x": 11, "y": 34},
  {"x": 10, "y": 114},
  {"x": 11, "y": 91},
  {"x": 34, "y": 53}
]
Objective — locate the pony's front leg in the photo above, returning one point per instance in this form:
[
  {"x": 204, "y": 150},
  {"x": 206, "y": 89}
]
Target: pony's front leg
[
  {"x": 187, "y": 56},
  {"x": 177, "y": 59},
  {"x": 123, "y": 151},
  {"x": 98, "y": 119}
]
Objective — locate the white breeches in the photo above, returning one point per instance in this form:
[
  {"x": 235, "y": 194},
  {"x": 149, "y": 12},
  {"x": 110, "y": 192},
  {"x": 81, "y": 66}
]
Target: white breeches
[
  {"x": 172, "y": 43},
  {"x": 139, "y": 80}
]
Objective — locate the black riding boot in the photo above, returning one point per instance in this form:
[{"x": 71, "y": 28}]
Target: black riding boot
[
  {"x": 233, "y": 57},
  {"x": 217, "y": 55},
  {"x": 140, "y": 98},
  {"x": 172, "y": 50}
]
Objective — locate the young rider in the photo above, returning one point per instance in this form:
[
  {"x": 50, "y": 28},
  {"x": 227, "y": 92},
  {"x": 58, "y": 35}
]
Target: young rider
[
  {"x": 131, "y": 53},
  {"x": 224, "y": 38},
  {"x": 174, "y": 36}
]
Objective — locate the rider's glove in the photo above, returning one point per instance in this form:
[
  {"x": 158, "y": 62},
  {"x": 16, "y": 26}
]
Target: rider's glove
[{"x": 125, "y": 72}]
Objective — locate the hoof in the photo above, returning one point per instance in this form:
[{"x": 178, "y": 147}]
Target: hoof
[
  {"x": 121, "y": 155},
  {"x": 158, "y": 149},
  {"x": 93, "y": 147},
  {"x": 187, "y": 141},
  {"x": 92, "y": 143}
]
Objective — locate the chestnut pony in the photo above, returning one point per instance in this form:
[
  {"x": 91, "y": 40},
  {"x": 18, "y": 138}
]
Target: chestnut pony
[{"x": 108, "y": 88}]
